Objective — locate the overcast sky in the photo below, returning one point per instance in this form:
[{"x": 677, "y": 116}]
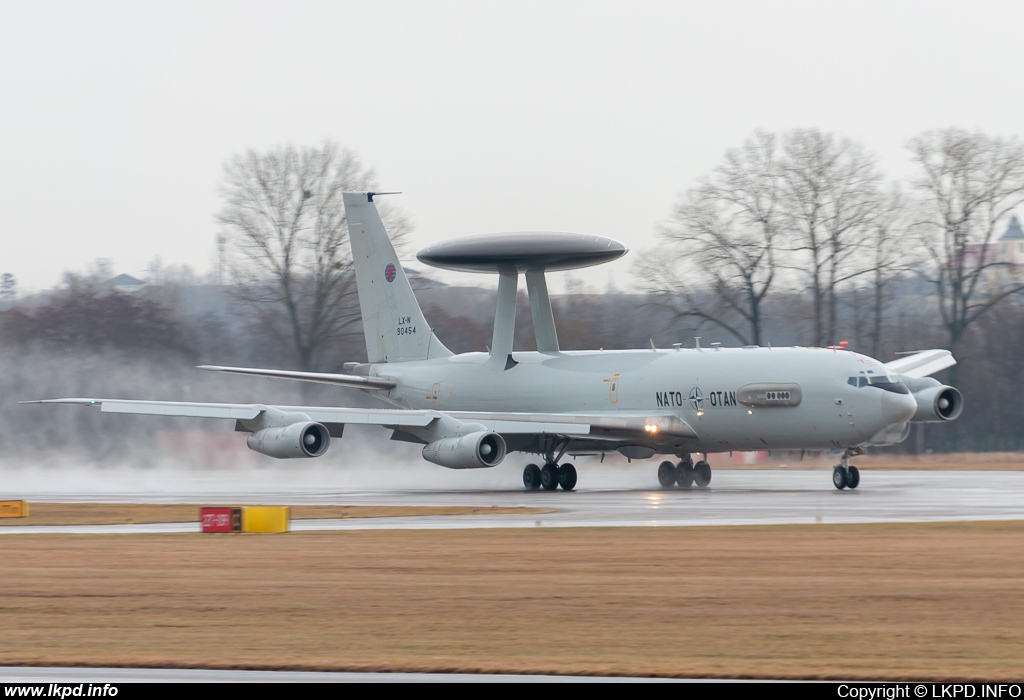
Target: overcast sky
[{"x": 116, "y": 117}]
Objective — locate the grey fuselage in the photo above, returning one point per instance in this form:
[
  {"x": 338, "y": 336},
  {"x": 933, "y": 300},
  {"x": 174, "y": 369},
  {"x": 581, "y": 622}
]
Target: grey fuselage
[{"x": 703, "y": 387}]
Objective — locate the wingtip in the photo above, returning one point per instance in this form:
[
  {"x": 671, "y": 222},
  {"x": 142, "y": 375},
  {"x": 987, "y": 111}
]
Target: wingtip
[{"x": 85, "y": 401}]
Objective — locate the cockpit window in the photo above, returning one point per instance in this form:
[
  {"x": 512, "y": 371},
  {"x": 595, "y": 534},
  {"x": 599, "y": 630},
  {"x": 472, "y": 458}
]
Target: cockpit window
[
  {"x": 895, "y": 387},
  {"x": 883, "y": 382}
]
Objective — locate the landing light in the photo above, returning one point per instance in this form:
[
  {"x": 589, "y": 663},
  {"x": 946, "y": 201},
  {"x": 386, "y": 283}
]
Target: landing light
[{"x": 651, "y": 428}]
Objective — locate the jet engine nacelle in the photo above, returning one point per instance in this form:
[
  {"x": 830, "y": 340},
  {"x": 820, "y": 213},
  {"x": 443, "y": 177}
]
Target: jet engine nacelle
[
  {"x": 938, "y": 403},
  {"x": 308, "y": 439},
  {"x": 473, "y": 451}
]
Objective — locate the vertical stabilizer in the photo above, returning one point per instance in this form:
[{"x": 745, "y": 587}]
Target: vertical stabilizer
[{"x": 393, "y": 323}]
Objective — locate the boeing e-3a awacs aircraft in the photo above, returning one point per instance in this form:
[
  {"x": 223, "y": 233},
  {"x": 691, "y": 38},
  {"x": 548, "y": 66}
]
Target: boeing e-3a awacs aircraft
[{"x": 470, "y": 410}]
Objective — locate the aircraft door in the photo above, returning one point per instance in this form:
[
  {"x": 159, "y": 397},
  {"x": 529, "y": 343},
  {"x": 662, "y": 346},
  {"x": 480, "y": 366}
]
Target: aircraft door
[
  {"x": 613, "y": 388},
  {"x": 435, "y": 396}
]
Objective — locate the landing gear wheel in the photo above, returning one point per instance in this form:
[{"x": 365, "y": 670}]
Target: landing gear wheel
[
  {"x": 549, "y": 476},
  {"x": 840, "y": 477},
  {"x": 531, "y": 477},
  {"x": 567, "y": 477},
  {"x": 667, "y": 475},
  {"x": 852, "y": 477},
  {"x": 685, "y": 475},
  {"x": 702, "y": 474}
]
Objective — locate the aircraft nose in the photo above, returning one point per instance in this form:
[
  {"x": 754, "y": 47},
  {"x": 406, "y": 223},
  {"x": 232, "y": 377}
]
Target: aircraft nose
[{"x": 898, "y": 408}]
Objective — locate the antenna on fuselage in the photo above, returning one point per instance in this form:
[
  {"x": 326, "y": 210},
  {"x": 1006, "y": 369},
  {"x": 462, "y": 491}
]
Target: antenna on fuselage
[{"x": 532, "y": 253}]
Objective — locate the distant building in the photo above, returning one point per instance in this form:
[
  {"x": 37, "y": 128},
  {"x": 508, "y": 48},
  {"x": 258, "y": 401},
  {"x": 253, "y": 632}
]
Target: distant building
[
  {"x": 1008, "y": 249},
  {"x": 124, "y": 283},
  {"x": 1011, "y": 244}
]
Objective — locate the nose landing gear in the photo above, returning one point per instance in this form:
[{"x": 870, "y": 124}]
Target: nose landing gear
[{"x": 845, "y": 476}]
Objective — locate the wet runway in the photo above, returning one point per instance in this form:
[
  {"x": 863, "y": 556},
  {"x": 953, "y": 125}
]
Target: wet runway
[
  {"x": 609, "y": 498},
  {"x": 604, "y": 498}
]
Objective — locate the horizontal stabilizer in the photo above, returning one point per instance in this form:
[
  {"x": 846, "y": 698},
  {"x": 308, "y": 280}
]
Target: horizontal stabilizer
[
  {"x": 922, "y": 364},
  {"x": 351, "y": 380}
]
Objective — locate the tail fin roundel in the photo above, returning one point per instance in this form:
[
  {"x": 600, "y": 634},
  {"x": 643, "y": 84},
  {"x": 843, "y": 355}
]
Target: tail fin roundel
[{"x": 393, "y": 323}]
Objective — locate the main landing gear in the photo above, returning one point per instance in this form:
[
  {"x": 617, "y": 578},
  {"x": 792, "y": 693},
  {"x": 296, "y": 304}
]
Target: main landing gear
[
  {"x": 550, "y": 476},
  {"x": 685, "y": 474},
  {"x": 844, "y": 476}
]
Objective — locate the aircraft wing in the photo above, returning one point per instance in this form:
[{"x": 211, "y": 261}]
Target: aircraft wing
[
  {"x": 597, "y": 425},
  {"x": 249, "y": 411},
  {"x": 923, "y": 363},
  {"x": 318, "y": 377}
]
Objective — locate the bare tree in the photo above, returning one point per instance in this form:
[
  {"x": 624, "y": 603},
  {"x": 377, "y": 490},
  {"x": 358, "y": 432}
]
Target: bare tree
[
  {"x": 284, "y": 216},
  {"x": 970, "y": 184},
  {"x": 8, "y": 288},
  {"x": 83, "y": 316},
  {"x": 721, "y": 244},
  {"x": 829, "y": 201},
  {"x": 888, "y": 258}
]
